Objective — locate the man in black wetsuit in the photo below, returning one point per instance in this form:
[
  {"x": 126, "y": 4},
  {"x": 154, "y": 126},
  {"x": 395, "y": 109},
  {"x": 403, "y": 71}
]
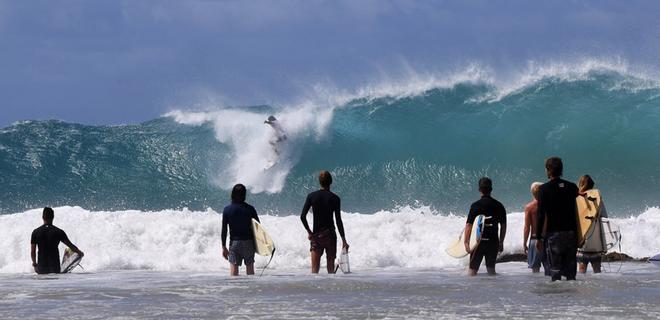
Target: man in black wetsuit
[
  {"x": 46, "y": 239},
  {"x": 238, "y": 217},
  {"x": 557, "y": 222},
  {"x": 490, "y": 243},
  {"x": 324, "y": 205}
]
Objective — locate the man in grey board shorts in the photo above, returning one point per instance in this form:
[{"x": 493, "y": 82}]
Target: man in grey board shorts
[{"x": 238, "y": 218}]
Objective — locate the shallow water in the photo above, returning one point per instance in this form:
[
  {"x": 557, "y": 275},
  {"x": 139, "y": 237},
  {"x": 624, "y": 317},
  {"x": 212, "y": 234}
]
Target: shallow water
[{"x": 633, "y": 292}]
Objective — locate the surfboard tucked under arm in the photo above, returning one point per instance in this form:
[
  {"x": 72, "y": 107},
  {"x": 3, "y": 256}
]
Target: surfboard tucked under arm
[
  {"x": 457, "y": 249},
  {"x": 70, "y": 260}
]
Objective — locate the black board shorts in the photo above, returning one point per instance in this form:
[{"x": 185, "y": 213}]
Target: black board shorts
[
  {"x": 487, "y": 249},
  {"x": 325, "y": 240}
]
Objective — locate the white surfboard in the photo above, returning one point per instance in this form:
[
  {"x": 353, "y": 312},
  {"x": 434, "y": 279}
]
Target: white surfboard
[
  {"x": 262, "y": 241},
  {"x": 457, "y": 249},
  {"x": 70, "y": 260},
  {"x": 344, "y": 265}
]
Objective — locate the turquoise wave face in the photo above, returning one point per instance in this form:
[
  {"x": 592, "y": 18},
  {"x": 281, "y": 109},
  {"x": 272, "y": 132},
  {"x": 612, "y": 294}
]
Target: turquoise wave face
[{"x": 384, "y": 152}]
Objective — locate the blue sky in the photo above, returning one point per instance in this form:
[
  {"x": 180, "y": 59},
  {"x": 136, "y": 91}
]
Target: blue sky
[{"x": 114, "y": 62}]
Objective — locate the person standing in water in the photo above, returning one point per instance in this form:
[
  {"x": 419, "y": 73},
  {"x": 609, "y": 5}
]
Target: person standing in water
[
  {"x": 325, "y": 205},
  {"x": 46, "y": 239},
  {"x": 238, "y": 218},
  {"x": 491, "y": 244},
  {"x": 557, "y": 211},
  {"x": 594, "y": 245},
  {"x": 279, "y": 136},
  {"x": 529, "y": 231}
]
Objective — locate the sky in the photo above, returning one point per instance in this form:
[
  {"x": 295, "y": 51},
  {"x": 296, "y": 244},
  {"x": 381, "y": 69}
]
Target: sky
[{"x": 120, "y": 62}]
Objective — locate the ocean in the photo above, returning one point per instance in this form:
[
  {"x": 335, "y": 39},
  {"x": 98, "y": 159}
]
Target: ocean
[{"x": 143, "y": 200}]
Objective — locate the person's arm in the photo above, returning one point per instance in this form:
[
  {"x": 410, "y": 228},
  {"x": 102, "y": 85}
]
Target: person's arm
[
  {"x": 468, "y": 228},
  {"x": 68, "y": 243},
  {"x": 466, "y": 236},
  {"x": 33, "y": 255},
  {"x": 340, "y": 224},
  {"x": 303, "y": 217},
  {"x": 254, "y": 214},
  {"x": 541, "y": 222},
  {"x": 502, "y": 230},
  {"x": 526, "y": 229},
  {"x": 223, "y": 236}
]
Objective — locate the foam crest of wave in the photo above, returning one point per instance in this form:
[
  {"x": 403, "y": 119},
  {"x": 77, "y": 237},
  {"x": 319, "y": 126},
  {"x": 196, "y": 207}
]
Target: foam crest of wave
[{"x": 185, "y": 240}]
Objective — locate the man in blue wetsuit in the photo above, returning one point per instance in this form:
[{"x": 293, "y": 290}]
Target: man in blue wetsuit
[
  {"x": 325, "y": 205},
  {"x": 238, "y": 217},
  {"x": 46, "y": 239},
  {"x": 491, "y": 244},
  {"x": 557, "y": 222}
]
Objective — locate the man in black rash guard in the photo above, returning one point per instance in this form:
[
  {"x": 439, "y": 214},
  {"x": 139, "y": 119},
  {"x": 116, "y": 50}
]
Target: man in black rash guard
[
  {"x": 490, "y": 243},
  {"x": 324, "y": 205},
  {"x": 47, "y": 238},
  {"x": 557, "y": 222},
  {"x": 238, "y": 217}
]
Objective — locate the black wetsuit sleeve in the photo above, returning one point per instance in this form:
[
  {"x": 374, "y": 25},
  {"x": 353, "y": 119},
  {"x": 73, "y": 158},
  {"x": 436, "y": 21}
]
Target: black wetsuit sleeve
[
  {"x": 472, "y": 214},
  {"x": 503, "y": 215},
  {"x": 223, "y": 235},
  {"x": 303, "y": 215},
  {"x": 540, "y": 214},
  {"x": 65, "y": 239},
  {"x": 33, "y": 238},
  {"x": 340, "y": 224}
]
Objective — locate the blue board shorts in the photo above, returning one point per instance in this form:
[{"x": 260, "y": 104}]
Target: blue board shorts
[
  {"x": 240, "y": 250},
  {"x": 533, "y": 255}
]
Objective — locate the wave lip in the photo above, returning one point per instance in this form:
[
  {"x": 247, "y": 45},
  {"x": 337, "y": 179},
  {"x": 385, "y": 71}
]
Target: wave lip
[{"x": 186, "y": 240}]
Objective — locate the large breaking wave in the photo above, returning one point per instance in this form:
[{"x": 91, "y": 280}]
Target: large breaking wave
[{"x": 422, "y": 141}]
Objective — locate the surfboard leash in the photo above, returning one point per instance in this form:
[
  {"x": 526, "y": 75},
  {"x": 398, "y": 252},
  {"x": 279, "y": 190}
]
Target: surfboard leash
[{"x": 272, "y": 255}]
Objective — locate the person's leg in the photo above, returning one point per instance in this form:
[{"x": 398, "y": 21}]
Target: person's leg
[
  {"x": 595, "y": 264},
  {"x": 316, "y": 261},
  {"x": 331, "y": 255},
  {"x": 233, "y": 269},
  {"x": 330, "y": 263},
  {"x": 582, "y": 267},
  {"x": 491, "y": 257},
  {"x": 570, "y": 255},
  {"x": 475, "y": 259},
  {"x": 554, "y": 256},
  {"x": 249, "y": 269}
]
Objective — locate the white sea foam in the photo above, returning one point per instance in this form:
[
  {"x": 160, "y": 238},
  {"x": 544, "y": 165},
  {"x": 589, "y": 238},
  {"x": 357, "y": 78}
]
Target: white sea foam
[
  {"x": 184, "y": 240},
  {"x": 249, "y": 138}
]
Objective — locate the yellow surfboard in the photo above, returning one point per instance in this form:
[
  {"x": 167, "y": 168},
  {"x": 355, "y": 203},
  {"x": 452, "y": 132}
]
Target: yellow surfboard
[
  {"x": 262, "y": 241},
  {"x": 457, "y": 249},
  {"x": 588, "y": 206}
]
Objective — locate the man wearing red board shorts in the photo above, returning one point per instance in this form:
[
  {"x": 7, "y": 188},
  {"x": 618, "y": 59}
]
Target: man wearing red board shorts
[{"x": 325, "y": 205}]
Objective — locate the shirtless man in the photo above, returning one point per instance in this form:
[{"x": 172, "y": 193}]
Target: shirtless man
[{"x": 529, "y": 231}]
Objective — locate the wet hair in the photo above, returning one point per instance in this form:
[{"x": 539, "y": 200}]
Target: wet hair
[
  {"x": 48, "y": 214},
  {"x": 554, "y": 167},
  {"x": 485, "y": 185},
  {"x": 586, "y": 183},
  {"x": 238, "y": 193},
  {"x": 534, "y": 188},
  {"x": 325, "y": 179}
]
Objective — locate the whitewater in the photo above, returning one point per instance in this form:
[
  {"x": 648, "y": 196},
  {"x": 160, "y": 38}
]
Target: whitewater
[{"x": 190, "y": 241}]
